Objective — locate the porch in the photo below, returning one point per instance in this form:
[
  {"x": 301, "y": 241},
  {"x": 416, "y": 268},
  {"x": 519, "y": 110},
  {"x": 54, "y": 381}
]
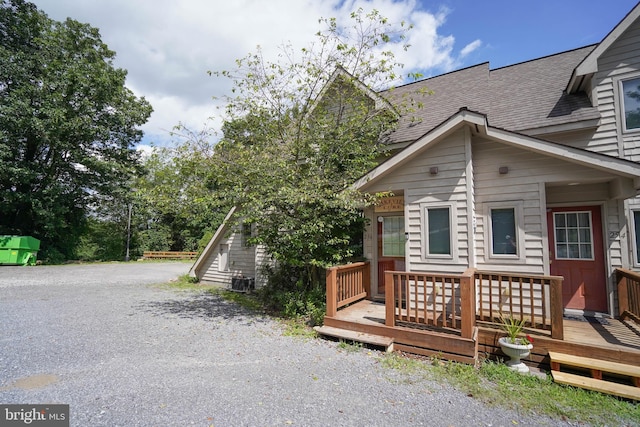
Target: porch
[{"x": 456, "y": 317}]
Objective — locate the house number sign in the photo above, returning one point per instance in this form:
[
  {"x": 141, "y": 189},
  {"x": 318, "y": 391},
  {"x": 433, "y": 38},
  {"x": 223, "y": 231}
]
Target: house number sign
[{"x": 390, "y": 204}]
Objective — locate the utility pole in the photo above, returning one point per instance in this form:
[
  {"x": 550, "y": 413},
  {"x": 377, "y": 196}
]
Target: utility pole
[{"x": 126, "y": 257}]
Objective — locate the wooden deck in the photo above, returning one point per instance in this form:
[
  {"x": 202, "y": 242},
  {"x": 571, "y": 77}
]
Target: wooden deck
[{"x": 603, "y": 338}]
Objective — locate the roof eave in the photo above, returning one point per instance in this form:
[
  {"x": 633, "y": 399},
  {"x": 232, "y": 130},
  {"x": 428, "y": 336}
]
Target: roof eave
[{"x": 589, "y": 65}]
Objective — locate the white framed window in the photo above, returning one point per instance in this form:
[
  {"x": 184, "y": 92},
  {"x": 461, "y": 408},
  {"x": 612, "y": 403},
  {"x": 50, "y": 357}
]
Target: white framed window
[
  {"x": 504, "y": 238},
  {"x": 393, "y": 240},
  {"x": 635, "y": 217},
  {"x": 630, "y": 104},
  {"x": 439, "y": 231},
  {"x": 573, "y": 235}
]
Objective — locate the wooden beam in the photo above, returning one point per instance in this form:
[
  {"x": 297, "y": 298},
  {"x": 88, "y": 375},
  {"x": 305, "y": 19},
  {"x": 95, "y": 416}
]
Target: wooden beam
[
  {"x": 623, "y": 293},
  {"x": 389, "y": 300},
  {"x": 332, "y": 290},
  {"x": 467, "y": 305},
  {"x": 608, "y": 387},
  {"x": 557, "y": 309}
]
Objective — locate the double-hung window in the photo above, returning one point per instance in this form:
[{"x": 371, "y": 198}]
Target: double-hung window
[
  {"x": 439, "y": 231},
  {"x": 630, "y": 96},
  {"x": 636, "y": 235},
  {"x": 502, "y": 230}
]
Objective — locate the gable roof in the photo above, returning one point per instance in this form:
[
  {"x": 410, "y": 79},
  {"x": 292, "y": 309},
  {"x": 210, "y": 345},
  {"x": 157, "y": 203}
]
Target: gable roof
[
  {"x": 589, "y": 65},
  {"x": 524, "y": 97},
  {"x": 480, "y": 124},
  {"x": 380, "y": 102},
  {"x": 219, "y": 234}
]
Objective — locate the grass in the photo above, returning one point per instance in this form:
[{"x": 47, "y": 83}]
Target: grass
[
  {"x": 491, "y": 383},
  {"x": 494, "y": 384},
  {"x": 295, "y": 327}
]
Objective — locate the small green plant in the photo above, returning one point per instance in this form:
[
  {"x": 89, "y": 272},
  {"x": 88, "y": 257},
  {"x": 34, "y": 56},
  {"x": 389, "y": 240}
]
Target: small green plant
[
  {"x": 513, "y": 327},
  {"x": 497, "y": 385},
  {"x": 350, "y": 346},
  {"x": 297, "y": 327}
]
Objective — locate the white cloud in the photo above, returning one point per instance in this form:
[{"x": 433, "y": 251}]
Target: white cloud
[
  {"x": 168, "y": 46},
  {"x": 474, "y": 45}
]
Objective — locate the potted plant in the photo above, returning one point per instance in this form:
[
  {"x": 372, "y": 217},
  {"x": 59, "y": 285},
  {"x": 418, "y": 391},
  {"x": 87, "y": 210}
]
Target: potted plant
[{"x": 513, "y": 345}]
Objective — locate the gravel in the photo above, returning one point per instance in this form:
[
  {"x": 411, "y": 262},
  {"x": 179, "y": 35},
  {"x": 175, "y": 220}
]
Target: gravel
[{"x": 123, "y": 351}]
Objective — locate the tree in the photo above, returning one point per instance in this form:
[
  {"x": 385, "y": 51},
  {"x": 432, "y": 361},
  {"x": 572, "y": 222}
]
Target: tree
[
  {"x": 68, "y": 125},
  {"x": 299, "y": 132},
  {"x": 178, "y": 194}
]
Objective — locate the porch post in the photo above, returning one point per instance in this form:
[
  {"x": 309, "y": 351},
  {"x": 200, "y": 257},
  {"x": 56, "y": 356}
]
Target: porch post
[
  {"x": 332, "y": 291},
  {"x": 366, "y": 279},
  {"x": 467, "y": 304},
  {"x": 557, "y": 311},
  {"x": 389, "y": 300},
  {"x": 623, "y": 295}
]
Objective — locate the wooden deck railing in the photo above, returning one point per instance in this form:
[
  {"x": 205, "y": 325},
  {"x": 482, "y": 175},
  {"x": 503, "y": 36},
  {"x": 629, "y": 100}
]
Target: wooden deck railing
[
  {"x": 628, "y": 294},
  {"x": 346, "y": 284},
  {"x": 169, "y": 255},
  {"x": 434, "y": 299},
  {"x": 534, "y": 299}
]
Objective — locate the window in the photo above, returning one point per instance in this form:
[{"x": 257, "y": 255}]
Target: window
[
  {"x": 246, "y": 234},
  {"x": 503, "y": 226},
  {"x": 504, "y": 240},
  {"x": 393, "y": 236},
  {"x": 631, "y": 103},
  {"x": 636, "y": 232},
  {"x": 438, "y": 231},
  {"x": 573, "y": 235}
]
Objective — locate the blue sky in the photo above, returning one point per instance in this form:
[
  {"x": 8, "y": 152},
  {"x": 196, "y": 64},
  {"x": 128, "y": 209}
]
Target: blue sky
[
  {"x": 514, "y": 31},
  {"x": 168, "y": 46}
]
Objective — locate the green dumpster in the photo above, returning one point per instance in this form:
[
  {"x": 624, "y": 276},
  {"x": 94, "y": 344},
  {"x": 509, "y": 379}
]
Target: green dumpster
[{"x": 18, "y": 250}]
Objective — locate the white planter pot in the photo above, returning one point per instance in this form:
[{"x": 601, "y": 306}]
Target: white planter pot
[{"x": 515, "y": 352}]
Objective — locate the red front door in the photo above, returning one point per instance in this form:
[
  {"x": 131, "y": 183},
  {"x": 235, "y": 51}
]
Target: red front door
[
  {"x": 576, "y": 252},
  {"x": 391, "y": 242}
]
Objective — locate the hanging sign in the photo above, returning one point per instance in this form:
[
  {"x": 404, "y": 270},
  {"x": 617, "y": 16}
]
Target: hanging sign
[{"x": 390, "y": 204}]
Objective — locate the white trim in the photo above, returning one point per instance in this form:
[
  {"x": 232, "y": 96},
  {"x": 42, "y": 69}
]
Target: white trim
[
  {"x": 453, "y": 232},
  {"x": 622, "y": 113},
  {"x": 478, "y": 122},
  {"x": 589, "y": 65},
  {"x": 518, "y": 212},
  {"x": 633, "y": 234},
  {"x": 591, "y": 240}
]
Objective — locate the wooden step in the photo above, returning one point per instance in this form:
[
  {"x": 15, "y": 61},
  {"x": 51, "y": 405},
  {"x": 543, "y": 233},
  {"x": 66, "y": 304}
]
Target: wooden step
[
  {"x": 596, "y": 366},
  {"x": 601, "y": 386},
  {"x": 371, "y": 339}
]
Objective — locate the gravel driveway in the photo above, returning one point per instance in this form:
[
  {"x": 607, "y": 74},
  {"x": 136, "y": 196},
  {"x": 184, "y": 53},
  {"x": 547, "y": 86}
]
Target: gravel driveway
[{"x": 122, "y": 351}]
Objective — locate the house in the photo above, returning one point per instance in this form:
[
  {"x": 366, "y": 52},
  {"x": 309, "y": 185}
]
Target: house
[
  {"x": 514, "y": 190},
  {"x": 230, "y": 259}
]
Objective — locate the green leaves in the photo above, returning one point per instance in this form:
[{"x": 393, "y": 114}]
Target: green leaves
[
  {"x": 298, "y": 132},
  {"x": 69, "y": 121}
]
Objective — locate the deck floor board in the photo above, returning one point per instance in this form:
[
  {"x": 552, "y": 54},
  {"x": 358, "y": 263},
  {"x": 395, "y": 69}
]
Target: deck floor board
[{"x": 608, "y": 334}]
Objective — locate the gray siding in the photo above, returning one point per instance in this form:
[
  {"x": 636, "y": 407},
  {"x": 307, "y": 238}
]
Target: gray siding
[
  {"x": 241, "y": 261},
  {"x": 524, "y": 185},
  {"x": 621, "y": 61},
  {"x": 421, "y": 189}
]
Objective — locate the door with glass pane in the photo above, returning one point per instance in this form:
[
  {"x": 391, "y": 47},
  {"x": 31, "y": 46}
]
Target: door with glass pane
[
  {"x": 391, "y": 243},
  {"x": 576, "y": 252}
]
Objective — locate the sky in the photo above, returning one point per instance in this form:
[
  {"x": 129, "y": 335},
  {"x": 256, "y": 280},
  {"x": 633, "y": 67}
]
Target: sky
[{"x": 168, "y": 46}]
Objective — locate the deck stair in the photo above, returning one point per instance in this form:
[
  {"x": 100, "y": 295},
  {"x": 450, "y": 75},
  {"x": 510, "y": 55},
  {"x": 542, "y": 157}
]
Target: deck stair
[
  {"x": 596, "y": 369},
  {"x": 365, "y": 338}
]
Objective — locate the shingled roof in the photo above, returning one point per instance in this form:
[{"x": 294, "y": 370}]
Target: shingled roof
[{"x": 520, "y": 97}]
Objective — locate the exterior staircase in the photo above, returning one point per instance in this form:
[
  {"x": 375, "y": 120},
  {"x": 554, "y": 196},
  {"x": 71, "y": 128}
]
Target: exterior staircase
[{"x": 601, "y": 375}]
